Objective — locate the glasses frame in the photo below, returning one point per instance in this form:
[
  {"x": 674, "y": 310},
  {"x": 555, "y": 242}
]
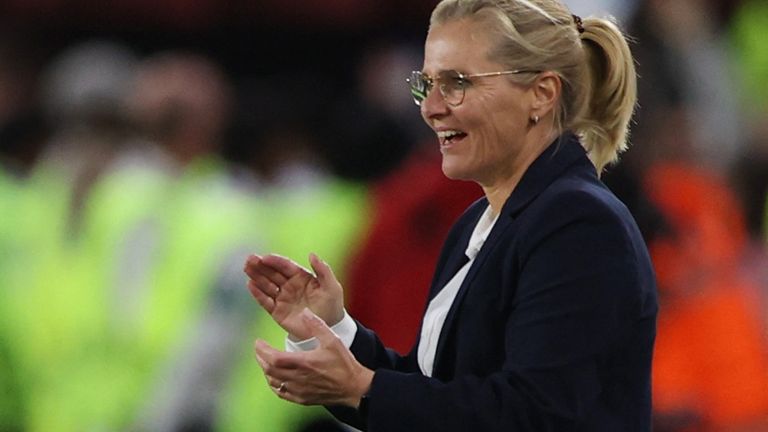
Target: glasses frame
[{"x": 419, "y": 96}]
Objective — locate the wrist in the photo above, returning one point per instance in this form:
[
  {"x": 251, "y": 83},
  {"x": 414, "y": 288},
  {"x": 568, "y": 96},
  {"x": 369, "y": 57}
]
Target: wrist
[{"x": 363, "y": 386}]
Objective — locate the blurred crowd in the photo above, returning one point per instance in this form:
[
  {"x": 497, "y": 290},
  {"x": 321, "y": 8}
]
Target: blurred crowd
[{"x": 136, "y": 177}]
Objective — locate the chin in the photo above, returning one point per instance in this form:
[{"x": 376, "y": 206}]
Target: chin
[{"x": 456, "y": 172}]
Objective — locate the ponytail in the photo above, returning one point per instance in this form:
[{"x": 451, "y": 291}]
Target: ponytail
[{"x": 612, "y": 85}]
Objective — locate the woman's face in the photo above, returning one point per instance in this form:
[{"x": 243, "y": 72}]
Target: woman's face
[{"x": 483, "y": 138}]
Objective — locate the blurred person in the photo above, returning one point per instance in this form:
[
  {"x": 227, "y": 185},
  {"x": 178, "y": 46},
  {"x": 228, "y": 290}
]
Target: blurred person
[
  {"x": 711, "y": 362},
  {"x": 553, "y": 329},
  {"x": 152, "y": 275},
  {"x": 185, "y": 312},
  {"x": 183, "y": 101},
  {"x": 710, "y": 279},
  {"x": 311, "y": 199},
  {"x": 42, "y": 331},
  {"x": 83, "y": 92},
  {"x": 684, "y": 65}
]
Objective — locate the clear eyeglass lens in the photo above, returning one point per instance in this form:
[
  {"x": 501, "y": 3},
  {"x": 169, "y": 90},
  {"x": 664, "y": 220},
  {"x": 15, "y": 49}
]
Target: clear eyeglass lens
[
  {"x": 452, "y": 87},
  {"x": 450, "y": 83}
]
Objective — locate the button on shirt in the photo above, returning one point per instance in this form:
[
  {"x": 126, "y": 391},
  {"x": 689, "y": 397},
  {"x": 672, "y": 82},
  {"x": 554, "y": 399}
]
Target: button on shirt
[{"x": 436, "y": 313}]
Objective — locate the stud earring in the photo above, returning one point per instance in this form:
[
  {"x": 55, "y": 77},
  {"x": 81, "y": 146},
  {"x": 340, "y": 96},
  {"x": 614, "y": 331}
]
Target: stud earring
[{"x": 535, "y": 119}]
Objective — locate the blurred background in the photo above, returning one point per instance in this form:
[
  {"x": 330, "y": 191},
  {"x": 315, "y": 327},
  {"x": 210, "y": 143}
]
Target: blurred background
[{"x": 147, "y": 147}]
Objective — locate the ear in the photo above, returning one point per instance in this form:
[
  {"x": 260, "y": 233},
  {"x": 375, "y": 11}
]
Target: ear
[{"x": 546, "y": 88}]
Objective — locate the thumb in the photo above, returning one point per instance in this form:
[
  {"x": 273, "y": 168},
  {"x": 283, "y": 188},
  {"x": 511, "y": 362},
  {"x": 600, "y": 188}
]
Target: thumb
[
  {"x": 318, "y": 328},
  {"x": 322, "y": 270}
]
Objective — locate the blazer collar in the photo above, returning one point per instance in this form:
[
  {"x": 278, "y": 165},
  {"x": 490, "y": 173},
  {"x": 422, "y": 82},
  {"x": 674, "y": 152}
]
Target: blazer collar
[{"x": 561, "y": 153}]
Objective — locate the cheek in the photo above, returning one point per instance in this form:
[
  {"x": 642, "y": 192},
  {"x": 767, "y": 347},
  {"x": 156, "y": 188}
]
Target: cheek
[
  {"x": 497, "y": 126},
  {"x": 508, "y": 124}
]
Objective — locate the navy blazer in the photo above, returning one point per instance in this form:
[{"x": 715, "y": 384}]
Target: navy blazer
[{"x": 552, "y": 329}]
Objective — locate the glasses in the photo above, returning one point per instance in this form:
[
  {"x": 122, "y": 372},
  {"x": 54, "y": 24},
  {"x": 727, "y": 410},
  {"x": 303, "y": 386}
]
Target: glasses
[{"x": 452, "y": 84}]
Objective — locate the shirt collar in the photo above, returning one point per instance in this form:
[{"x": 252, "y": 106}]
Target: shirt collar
[{"x": 481, "y": 232}]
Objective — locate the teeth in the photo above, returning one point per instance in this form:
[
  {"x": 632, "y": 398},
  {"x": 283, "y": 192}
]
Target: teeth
[{"x": 448, "y": 134}]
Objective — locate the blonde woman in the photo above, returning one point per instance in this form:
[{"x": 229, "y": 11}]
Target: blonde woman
[{"x": 542, "y": 310}]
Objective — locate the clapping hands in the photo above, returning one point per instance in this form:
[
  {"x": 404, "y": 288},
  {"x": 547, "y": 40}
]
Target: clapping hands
[
  {"x": 305, "y": 305},
  {"x": 284, "y": 288}
]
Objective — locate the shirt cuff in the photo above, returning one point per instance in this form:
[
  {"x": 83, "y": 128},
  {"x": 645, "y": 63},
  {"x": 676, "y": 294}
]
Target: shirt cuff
[{"x": 344, "y": 330}]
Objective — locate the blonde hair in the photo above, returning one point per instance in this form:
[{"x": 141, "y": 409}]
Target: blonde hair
[{"x": 593, "y": 60}]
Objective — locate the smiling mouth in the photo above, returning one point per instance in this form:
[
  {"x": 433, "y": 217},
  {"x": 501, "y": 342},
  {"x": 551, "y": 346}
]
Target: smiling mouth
[{"x": 449, "y": 137}]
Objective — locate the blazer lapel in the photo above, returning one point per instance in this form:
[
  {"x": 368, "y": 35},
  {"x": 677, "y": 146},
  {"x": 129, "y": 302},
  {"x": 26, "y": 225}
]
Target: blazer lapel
[
  {"x": 502, "y": 224},
  {"x": 457, "y": 257}
]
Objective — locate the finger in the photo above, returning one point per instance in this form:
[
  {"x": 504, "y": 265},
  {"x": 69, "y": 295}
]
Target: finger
[
  {"x": 318, "y": 328},
  {"x": 264, "y": 352},
  {"x": 265, "y": 301},
  {"x": 261, "y": 361},
  {"x": 277, "y": 362},
  {"x": 251, "y": 261},
  {"x": 286, "y": 394},
  {"x": 266, "y": 286},
  {"x": 276, "y": 376},
  {"x": 322, "y": 270},
  {"x": 252, "y": 265},
  {"x": 261, "y": 269},
  {"x": 286, "y": 267},
  {"x": 277, "y": 383}
]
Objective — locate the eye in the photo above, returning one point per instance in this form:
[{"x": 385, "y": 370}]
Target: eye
[{"x": 452, "y": 80}]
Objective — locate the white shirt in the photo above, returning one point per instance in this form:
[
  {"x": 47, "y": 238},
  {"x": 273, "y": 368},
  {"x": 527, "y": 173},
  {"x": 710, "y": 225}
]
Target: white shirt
[{"x": 436, "y": 313}]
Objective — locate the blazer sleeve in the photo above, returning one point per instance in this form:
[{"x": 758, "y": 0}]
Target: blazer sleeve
[
  {"x": 574, "y": 294},
  {"x": 369, "y": 350}
]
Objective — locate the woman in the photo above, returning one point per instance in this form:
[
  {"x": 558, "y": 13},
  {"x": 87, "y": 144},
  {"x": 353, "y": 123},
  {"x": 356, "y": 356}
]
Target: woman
[{"x": 542, "y": 309}]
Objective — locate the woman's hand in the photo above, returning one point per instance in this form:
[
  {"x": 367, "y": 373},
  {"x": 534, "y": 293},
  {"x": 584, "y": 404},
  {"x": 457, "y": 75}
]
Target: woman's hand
[
  {"x": 284, "y": 289},
  {"x": 326, "y": 375}
]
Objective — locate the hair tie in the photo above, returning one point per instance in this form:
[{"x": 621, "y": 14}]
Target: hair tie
[{"x": 579, "y": 23}]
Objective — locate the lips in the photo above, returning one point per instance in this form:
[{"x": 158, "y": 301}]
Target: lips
[{"x": 450, "y": 136}]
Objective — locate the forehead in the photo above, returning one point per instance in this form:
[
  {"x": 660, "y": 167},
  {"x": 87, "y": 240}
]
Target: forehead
[{"x": 461, "y": 45}]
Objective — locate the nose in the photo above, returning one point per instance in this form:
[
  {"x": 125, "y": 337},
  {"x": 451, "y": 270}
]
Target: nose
[{"x": 434, "y": 105}]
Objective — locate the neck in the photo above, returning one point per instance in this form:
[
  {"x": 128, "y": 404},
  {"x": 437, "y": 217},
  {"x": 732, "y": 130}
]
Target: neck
[{"x": 499, "y": 191}]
